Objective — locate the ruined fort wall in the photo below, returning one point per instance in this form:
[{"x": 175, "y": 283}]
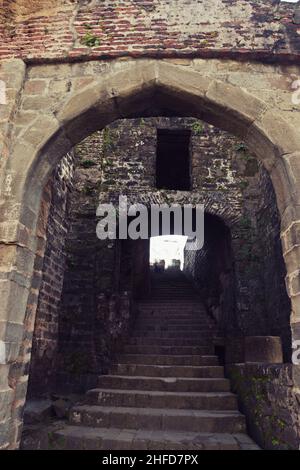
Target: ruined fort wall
[{"x": 68, "y": 30}]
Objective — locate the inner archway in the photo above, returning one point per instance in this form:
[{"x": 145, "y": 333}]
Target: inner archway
[{"x": 151, "y": 88}]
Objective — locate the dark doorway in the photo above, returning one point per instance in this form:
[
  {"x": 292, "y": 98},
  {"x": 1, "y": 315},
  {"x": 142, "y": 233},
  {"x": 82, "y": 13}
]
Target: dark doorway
[{"x": 173, "y": 160}]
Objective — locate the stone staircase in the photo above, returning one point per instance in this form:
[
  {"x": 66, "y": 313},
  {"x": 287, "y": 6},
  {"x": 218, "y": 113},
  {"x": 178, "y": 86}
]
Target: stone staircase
[{"x": 166, "y": 389}]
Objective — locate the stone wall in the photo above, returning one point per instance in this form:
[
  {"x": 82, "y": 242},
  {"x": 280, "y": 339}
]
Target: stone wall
[
  {"x": 239, "y": 288},
  {"x": 243, "y": 295},
  {"x": 45, "y": 339},
  {"x": 270, "y": 401},
  {"x": 40, "y": 30},
  {"x": 95, "y": 307},
  {"x": 243, "y": 251},
  {"x": 84, "y": 301}
]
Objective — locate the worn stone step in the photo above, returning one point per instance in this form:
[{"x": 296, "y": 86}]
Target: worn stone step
[
  {"x": 167, "y": 371},
  {"x": 190, "y": 307},
  {"x": 176, "y": 350},
  {"x": 189, "y": 323},
  {"x": 155, "y": 399},
  {"x": 172, "y": 316},
  {"x": 169, "y": 302},
  {"x": 176, "y": 307},
  {"x": 197, "y": 334},
  {"x": 174, "y": 296},
  {"x": 181, "y": 296},
  {"x": 158, "y": 341},
  {"x": 173, "y": 325},
  {"x": 171, "y": 360},
  {"x": 157, "y": 418},
  {"x": 88, "y": 438},
  {"x": 173, "y": 308},
  {"x": 167, "y": 384}
]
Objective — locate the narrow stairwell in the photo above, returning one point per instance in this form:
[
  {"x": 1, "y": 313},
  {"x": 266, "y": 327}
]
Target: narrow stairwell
[{"x": 166, "y": 390}]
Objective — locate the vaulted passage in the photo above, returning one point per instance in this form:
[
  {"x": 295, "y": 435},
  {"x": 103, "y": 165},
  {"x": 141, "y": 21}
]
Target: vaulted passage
[{"x": 127, "y": 351}]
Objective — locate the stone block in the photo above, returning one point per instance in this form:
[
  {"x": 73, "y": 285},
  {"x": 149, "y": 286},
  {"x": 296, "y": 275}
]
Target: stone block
[
  {"x": 282, "y": 184},
  {"x": 5, "y": 428},
  {"x": 6, "y": 398},
  {"x": 37, "y": 103},
  {"x": 279, "y": 136},
  {"x": 39, "y": 133},
  {"x": 37, "y": 411},
  {"x": 79, "y": 103},
  {"x": 263, "y": 349},
  {"x": 241, "y": 108},
  {"x": 290, "y": 216},
  {"x": 11, "y": 331},
  {"x": 9, "y": 351},
  {"x": 13, "y": 301},
  {"x": 35, "y": 87},
  {"x": 45, "y": 71},
  {"x": 62, "y": 407},
  {"x": 295, "y": 315}
]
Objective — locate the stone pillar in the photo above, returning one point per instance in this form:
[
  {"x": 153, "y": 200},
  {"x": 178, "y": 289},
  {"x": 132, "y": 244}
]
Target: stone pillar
[
  {"x": 16, "y": 259},
  {"x": 290, "y": 239}
]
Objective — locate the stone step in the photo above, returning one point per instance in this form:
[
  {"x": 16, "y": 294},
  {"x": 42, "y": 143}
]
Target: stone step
[
  {"x": 171, "y": 325},
  {"x": 153, "y": 323},
  {"x": 154, "y": 399},
  {"x": 159, "y": 341},
  {"x": 174, "y": 296},
  {"x": 180, "y": 291},
  {"x": 180, "y": 334},
  {"x": 88, "y": 438},
  {"x": 169, "y": 350},
  {"x": 170, "y": 316},
  {"x": 171, "y": 360},
  {"x": 157, "y": 418},
  {"x": 167, "y": 384},
  {"x": 176, "y": 307},
  {"x": 173, "y": 306},
  {"x": 167, "y": 371}
]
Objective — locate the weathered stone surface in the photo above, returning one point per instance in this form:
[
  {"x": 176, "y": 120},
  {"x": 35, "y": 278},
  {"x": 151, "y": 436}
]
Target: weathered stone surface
[
  {"x": 62, "y": 407},
  {"x": 264, "y": 349},
  {"x": 142, "y": 87},
  {"x": 115, "y": 416},
  {"x": 266, "y": 392},
  {"x": 244, "y": 28},
  {"x": 37, "y": 411}
]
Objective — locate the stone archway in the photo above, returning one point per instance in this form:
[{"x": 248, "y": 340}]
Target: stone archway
[{"x": 42, "y": 133}]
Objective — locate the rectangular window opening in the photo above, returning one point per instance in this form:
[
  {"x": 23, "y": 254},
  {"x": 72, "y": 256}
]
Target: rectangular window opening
[{"x": 173, "y": 159}]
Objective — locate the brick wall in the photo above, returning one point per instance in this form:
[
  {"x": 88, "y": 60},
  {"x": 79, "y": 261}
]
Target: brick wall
[
  {"x": 96, "y": 307},
  {"x": 45, "y": 339},
  {"x": 41, "y": 30}
]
